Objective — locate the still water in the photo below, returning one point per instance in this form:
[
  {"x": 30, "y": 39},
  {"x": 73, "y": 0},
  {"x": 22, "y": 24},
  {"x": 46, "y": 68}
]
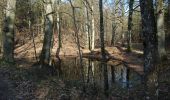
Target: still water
[{"x": 114, "y": 79}]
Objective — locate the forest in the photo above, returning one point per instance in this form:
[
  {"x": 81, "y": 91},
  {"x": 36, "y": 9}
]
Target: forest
[{"x": 84, "y": 49}]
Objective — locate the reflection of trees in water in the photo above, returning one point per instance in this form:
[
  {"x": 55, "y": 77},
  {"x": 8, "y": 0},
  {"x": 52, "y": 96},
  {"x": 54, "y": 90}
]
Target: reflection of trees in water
[
  {"x": 120, "y": 74},
  {"x": 97, "y": 75},
  {"x": 103, "y": 77},
  {"x": 90, "y": 71},
  {"x": 150, "y": 84}
]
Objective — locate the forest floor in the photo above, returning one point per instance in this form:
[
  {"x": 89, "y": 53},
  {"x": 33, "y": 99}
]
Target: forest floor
[{"x": 25, "y": 80}]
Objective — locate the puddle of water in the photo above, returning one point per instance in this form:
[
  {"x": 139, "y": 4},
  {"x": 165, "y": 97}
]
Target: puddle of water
[
  {"x": 103, "y": 78},
  {"x": 117, "y": 80}
]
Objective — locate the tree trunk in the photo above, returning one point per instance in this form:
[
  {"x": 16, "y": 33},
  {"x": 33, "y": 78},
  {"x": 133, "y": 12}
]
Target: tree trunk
[
  {"x": 160, "y": 30},
  {"x": 102, "y": 30},
  {"x": 76, "y": 30},
  {"x": 149, "y": 34},
  {"x": 8, "y": 31},
  {"x": 93, "y": 28},
  {"x": 103, "y": 63},
  {"x": 168, "y": 25},
  {"x": 1, "y": 19},
  {"x": 58, "y": 29},
  {"x": 122, "y": 11},
  {"x": 87, "y": 28},
  {"x": 59, "y": 24},
  {"x": 46, "y": 50},
  {"x": 114, "y": 22},
  {"x": 113, "y": 33},
  {"x": 129, "y": 47}
]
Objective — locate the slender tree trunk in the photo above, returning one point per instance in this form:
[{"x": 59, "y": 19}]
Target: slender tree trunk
[
  {"x": 59, "y": 24},
  {"x": 169, "y": 12},
  {"x": 123, "y": 10},
  {"x": 46, "y": 50},
  {"x": 168, "y": 25},
  {"x": 113, "y": 33},
  {"x": 31, "y": 30},
  {"x": 33, "y": 39},
  {"x": 76, "y": 30},
  {"x": 0, "y": 39},
  {"x": 93, "y": 28},
  {"x": 149, "y": 34},
  {"x": 0, "y": 42},
  {"x": 129, "y": 45},
  {"x": 58, "y": 29},
  {"x": 160, "y": 30},
  {"x": 87, "y": 28},
  {"x": 8, "y": 34},
  {"x": 42, "y": 23},
  {"x": 1, "y": 19},
  {"x": 114, "y": 23}
]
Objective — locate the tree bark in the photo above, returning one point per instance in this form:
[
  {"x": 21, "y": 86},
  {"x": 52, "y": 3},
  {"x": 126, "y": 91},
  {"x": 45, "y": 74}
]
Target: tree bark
[
  {"x": 102, "y": 30},
  {"x": 129, "y": 45},
  {"x": 48, "y": 32},
  {"x": 113, "y": 33},
  {"x": 114, "y": 26},
  {"x": 103, "y": 62},
  {"x": 168, "y": 26},
  {"x": 8, "y": 31},
  {"x": 160, "y": 30},
  {"x": 87, "y": 28},
  {"x": 93, "y": 28},
  {"x": 58, "y": 29},
  {"x": 123, "y": 33},
  {"x": 149, "y": 34}
]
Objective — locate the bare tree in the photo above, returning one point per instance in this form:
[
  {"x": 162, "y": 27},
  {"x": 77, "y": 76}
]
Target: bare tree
[
  {"x": 48, "y": 33},
  {"x": 76, "y": 30},
  {"x": 58, "y": 25}
]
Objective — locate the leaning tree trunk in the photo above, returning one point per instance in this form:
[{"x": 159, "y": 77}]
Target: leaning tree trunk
[
  {"x": 8, "y": 31},
  {"x": 48, "y": 32},
  {"x": 149, "y": 34},
  {"x": 160, "y": 30},
  {"x": 129, "y": 47},
  {"x": 76, "y": 30}
]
